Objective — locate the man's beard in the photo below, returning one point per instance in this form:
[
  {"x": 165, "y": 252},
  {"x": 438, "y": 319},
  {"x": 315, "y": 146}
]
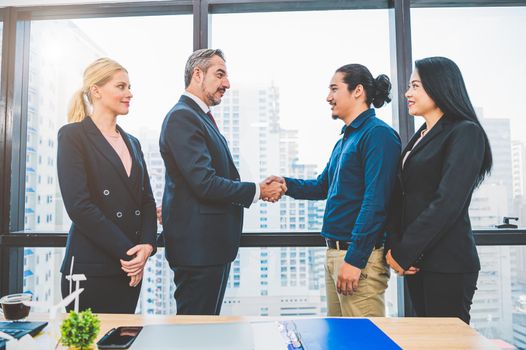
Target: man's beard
[
  {"x": 211, "y": 100},
  {"x": 334, "y": 117}
]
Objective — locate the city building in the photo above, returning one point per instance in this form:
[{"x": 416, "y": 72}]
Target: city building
[
  {"x": 44, "y": 210},
  {"x": 283, "y": 52}
]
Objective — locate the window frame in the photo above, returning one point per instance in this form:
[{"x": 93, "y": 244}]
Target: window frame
[{"x": 13, "y": 105}]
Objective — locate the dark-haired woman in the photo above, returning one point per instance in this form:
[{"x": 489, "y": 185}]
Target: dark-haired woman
[
  {"x": 431, "y": 241},
  {"x": 357, "y": 184}
]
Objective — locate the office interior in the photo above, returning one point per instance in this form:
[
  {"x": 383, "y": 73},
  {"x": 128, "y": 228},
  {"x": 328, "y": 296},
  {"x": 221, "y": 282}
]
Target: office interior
[{"x": 281, "y": 56}]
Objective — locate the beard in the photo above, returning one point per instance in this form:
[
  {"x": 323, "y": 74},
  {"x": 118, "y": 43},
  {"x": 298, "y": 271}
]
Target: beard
[
  {"x": 211, "y": 99},
  {"x": 334, "y": 117}
]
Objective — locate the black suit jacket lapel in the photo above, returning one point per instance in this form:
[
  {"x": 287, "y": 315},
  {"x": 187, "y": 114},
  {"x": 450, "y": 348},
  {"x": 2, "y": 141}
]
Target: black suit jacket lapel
[
  {"x": 434, "y": 132},
  {"x": 191, "y": 103},
  {"x": 104, "y": 147}
]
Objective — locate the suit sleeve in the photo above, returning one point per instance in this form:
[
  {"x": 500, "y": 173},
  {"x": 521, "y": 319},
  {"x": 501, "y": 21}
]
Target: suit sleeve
[
  {"x": 464, "y": 155},
  {"x": 185, "y": 139},
  {"x": 85, "y": 214},
  {"x": 149, "y": 218},
  {"x": 315, "y": 189}
]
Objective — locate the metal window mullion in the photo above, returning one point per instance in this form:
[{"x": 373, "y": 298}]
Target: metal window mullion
[
  {"x": 19, "y": 119},
  {"x": 11, "y": 259},
  {"x": 401, "y": 65},
  {"x": 201, "y": 24}
]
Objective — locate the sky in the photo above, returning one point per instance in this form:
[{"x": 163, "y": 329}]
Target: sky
[{"x": 299, "y": 52}]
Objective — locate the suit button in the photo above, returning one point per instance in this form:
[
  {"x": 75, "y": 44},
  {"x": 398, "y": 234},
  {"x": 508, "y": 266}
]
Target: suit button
[
  {"x": 119, "y": 214},
  {"x": 137, "y": 233},
  {"x": 106, "y": 192},
  {"x": 137, "y": 212}
]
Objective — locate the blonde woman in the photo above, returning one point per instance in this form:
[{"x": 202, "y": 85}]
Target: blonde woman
[{"x": 106, "y": 192}]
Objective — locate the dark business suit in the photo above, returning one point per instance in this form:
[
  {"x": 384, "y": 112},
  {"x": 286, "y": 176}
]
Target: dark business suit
[
  {"x": 430, "y": 226},
  {"x": 202, "y": 207},
  {"x": 110, "y": 213}
]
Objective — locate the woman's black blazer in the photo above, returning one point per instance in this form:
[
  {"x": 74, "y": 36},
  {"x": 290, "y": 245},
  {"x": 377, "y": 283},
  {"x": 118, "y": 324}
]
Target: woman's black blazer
[
  {"x": 110, "y": 212},
  {"x": 429, "y": 225}
]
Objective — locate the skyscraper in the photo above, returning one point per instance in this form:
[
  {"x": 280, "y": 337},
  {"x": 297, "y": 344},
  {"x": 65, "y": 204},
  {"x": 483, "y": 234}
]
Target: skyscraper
[
  {"x": 492, "y": 304},
  {"x": 53, "y": 77},
  {"x": 259, "y": 277},
  {"x": 262, "y": 277}
]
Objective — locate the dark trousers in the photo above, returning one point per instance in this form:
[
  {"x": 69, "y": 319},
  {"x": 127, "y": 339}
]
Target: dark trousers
[
  {"x": 104, "y": 294},
  {"x": 200, "y": 289},
  {"x": 435, "y": 294}
]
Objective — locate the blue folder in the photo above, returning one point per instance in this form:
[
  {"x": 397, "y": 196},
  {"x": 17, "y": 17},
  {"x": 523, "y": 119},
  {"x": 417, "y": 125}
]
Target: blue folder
[{"x": 342, "y": 333}]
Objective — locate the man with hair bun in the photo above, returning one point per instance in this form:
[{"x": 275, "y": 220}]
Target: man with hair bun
[{"x": 357, "y": 184}]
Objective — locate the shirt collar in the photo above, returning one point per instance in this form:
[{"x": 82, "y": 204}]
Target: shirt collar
[
  {"x": 197, "y": 100},
  {"x": 358, "y": 121}
]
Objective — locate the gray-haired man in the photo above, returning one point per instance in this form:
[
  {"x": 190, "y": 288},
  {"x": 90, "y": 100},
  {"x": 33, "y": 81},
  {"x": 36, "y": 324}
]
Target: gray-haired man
[{"x": 203, "y": 195}]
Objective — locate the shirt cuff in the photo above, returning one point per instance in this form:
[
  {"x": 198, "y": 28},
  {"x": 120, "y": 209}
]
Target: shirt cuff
[
  {"x": 257, "y": 194},
  {"x": 360, "y": 248}
]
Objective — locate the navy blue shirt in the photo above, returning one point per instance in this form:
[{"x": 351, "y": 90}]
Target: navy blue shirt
[{"x": 357, "y": 183}]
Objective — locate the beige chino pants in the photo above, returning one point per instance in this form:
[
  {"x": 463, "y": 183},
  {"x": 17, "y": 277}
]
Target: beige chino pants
[{"x": 368, "y": 300}]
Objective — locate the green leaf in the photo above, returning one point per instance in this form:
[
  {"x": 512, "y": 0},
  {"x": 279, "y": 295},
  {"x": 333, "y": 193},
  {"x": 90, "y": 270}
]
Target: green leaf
[{"x": 80, "y": 329}]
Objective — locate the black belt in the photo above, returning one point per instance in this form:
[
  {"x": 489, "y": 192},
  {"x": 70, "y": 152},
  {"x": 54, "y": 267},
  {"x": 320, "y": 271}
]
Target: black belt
[{"x": 342, "y": 245}]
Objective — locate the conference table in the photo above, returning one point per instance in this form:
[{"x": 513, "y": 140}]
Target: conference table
[{"x": 408, "y": 332}]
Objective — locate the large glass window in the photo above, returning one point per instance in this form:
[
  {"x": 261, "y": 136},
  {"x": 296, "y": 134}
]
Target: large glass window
[
  {"x": 499, "y": 305},
  {"x": 277, "y": 121},
  {"x": 271, "y": 282},
  {"x": 154, "y": 51},
  {"x": 488, "y": 50},
  {"x": 286, "y": 281},
  {"x": 275, "y": 116},
  {"x": 486, "y": 43},
  {"x": 60, "y": 50}
]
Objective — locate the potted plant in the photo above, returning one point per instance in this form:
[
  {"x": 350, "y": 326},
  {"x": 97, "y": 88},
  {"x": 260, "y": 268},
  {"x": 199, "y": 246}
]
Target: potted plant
[{"x": 79, "y": 330}]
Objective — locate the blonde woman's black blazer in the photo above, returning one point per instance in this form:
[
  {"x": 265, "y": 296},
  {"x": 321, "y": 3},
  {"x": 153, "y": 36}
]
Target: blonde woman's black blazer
[
  {"x": 429, "y": 225},
  {"x": 110, "y": 212}
]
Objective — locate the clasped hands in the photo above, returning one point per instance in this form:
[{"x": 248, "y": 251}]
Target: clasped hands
[
  {"x": 399, "y": 269},
  {"x": 272, "y": 188},
  {"x": 135, "y": 267}
]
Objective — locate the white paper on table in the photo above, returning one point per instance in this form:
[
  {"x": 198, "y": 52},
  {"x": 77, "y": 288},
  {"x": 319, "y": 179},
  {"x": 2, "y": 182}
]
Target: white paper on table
[
  {"x": 25, "y": 343},
  {"x": 267, "y": 336}
]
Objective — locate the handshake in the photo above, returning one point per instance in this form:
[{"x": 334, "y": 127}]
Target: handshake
[{"x": 272, "y": 188}]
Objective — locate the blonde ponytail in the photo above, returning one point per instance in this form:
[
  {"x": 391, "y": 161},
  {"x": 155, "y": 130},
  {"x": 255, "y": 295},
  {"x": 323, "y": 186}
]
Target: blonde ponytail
[
  {"x": 77, "y": 108},
  {"x": 98, "y": 73}
]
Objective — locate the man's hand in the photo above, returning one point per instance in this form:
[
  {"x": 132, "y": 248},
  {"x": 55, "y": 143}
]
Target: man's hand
[
  {"x": 348, "y": 279},
  {"x": 398, "y": 269},
  {"x": 272, "y": 190},
  {"x": 273, "y": 178},
  {"x": 140, "y": 253}
]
